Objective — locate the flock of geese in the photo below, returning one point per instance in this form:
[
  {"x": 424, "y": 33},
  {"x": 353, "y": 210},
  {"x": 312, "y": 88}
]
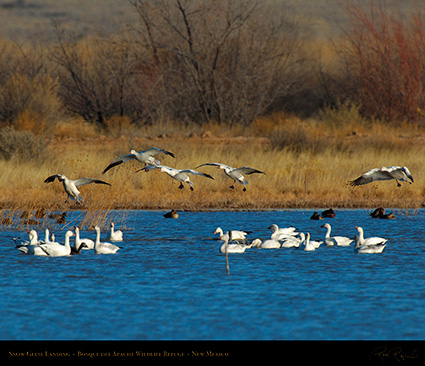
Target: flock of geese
[
  {"x": 235, "y": 241},
  {"x": 51, "y": 248}
]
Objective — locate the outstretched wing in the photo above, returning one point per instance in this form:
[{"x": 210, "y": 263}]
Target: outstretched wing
[
  {"x": 83, "y": 181},
  {"x": 154, "y": 151},
  {"x": 222, "y": 166},
  {"x": 118, "y": 161},
  {"x": 51, "y": 178},
  {"x": 370, "y": 176},
  {"x": 248, "y": 170},
  {"x": 194, "y": 172}
]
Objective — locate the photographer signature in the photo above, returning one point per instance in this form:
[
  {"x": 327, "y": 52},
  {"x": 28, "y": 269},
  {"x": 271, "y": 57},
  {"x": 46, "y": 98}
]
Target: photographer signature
[{"x": 396, "y": 353}]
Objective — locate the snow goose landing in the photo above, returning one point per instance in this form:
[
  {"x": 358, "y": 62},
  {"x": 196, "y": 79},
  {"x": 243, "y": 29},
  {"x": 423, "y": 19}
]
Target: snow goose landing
[
  {"x": 116, "y": 235},
  {"x": 235, "y": 173},
  {"x": 71, "y": 186},
  {"x": 335, "y": 240},
  {"x": 181, "y": 176},
  {"x": 147, "y": 157},
  {"x": 101, "y": 247},
  {"x": 398, "y": 173},
  {"x": 374, "y": 240}
]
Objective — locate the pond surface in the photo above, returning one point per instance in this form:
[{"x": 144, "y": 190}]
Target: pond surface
[{"x": 169, "y": 282}]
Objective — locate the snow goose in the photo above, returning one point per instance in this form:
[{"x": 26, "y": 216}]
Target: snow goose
[
  {"x": 235, "y": 173},
  {"x": 370, "y": 249},
  {"x": 398, "y": 173},
  {"x": 308, "y": 246},
  {"x": 115, "y": 235},
  {"x": 103, "y": 247},
  {"x": 31, "y": 247},
  {"x": 234, "y": 247},
  {"x": 89, "y": 243},
  {"x": 57, "y": 249},
  {"x": 266, "y": 244},
  {"x": 181, "y": 176},
  {"x": 335, "y": 240},
  {"x": 373, "y": 240},
  {"x": 282, "y": 233},
  {"x": 147, "y": 157},
  {"x": 71, "y": 186},
  {"x": 237, "y": 235},
  {"x": 293, "y": 242}
]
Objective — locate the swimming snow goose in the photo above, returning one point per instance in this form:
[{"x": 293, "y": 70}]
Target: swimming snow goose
[
  {"x": 71, "y": 186},
  {"x": 373, "y": 240},
  {"x": 181, "y": 176},
  {"x": 103, "y": 247},
  {"x": 115, "y": 235},
  {"x": 398, "y": 173},
  {"x": 147, "y": 157},
  {"x": 292, "y": 241},
  {"x": 56, "y": 249},
  {"x": 266, "y": 244},
  {"x": 282, "y": 233},
  {"x": 335, "y": 240},
  {"x": 370, "y": 249},
  {"x": 89, "y": 243},
  {"x": 308, "y": 246},
  {"x": 31, "y": 247},
  {"x": 237, "y": 235},
  {"x": 234, "y": 247},
  {"x": 235, "y": 173}
]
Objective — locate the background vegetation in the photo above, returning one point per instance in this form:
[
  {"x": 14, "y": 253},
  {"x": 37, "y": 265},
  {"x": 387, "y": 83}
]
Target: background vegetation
[{"x": 240, "y": 82}]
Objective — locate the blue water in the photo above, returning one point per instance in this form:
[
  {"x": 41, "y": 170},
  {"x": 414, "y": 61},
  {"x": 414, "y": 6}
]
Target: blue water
[{"x": 169, "y": 282}]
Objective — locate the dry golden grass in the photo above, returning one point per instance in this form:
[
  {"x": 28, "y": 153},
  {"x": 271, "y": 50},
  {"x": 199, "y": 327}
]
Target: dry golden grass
[{"x": 307, "y": 164}]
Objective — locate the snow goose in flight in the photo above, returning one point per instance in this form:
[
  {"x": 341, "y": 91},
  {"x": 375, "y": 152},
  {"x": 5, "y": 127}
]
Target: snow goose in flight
[
  {"x": 237, "y": 235},
  {"x": 147, "y": 157},
  {"x": 370, "y": 249},
  {"x": 103, "y": 247},
  {"x": 398, "y": 173},
  {"x": 181, "y": 176},
  {"x": 57, "y": 249},
  {"x": 335, "y": 240},
  {"x": 115, "y": 235},
  {"x": 89, "y": 243},
  {"x": 71, "y": 186},
  {"x": 373, "y": 240},
  {"x": 235, "y": 173}
]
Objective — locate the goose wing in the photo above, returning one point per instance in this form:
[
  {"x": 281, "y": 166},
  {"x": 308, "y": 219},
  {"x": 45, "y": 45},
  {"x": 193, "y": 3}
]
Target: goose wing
[
  {"x": 221, "y": 166},
  {"x": 52, "y": 178},
  {"x": 83, "y": 181},
  {"x": 154, "y": 151},
  {"x": 194, "y": 172},
  {"x": 120, "y": 160},
  {"x": 400, "y": 173},
  {"x": 247, "y": 170},
  {"x": 370, "y": 176}
]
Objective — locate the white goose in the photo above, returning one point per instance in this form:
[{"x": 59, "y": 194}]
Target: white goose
[
  {"x": 373, "y": 240},
  {"x": 103, "y": 247},
  {"x": 369, "y": 249},
  {"x": 57, "y": 249},
  {"x": 234, "y": 247},
  {"x": 266, "y": 244},
  {"x": 237, "y": 235},
  {"x": 335, "y": 240},
  {"x": 115, "y": 235},
  {"x": 147, "y": 157},
  {"x": 293, "y": 242},
  {"x": 31, "y": 247},
  {"x": 71, "y": 186},
  {"x": 235, "y": 173},
  {"x": 398, "y": 173},
  {"x": 89, "y": 243},
  {"x": 179, "y": 175},
  {"x": 282, "y": 233},
  {"x": 308, "y": 246}
]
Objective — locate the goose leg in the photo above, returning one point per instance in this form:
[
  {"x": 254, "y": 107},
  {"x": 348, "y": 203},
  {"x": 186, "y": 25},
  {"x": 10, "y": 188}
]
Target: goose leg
[
  {"x": 244, "y": 189},
  {"x": 191, "y": 188},
  {"x": 181, "y": 186}
]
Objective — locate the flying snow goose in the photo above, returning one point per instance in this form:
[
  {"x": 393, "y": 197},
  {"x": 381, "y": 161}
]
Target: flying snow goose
[
  {"x": 116, "y": 235},
  {"x": 71, "y": 186},
  {"x": 147, "y": 157},
  {"x": 103, "y": 247},
  {"x": 373, "y": 240},
  {"x": 370, "y": 249},
  {"x": 57, "y": 249},
  {"x": 335, "y": 240},
  {"x": 237, "y": 235},
  {"x": 398, "y": 173},
  {"x": 235, "y": 173},
  {"x": 89, "y": 243},
  {"x": 181, "y": 176},
  {"x": 266, "y": 244},
  {"x": 282, "y": 233}
]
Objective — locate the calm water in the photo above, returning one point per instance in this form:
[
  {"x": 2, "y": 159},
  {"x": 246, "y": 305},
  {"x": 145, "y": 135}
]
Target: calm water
[{"x": 169, "y": 282}]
